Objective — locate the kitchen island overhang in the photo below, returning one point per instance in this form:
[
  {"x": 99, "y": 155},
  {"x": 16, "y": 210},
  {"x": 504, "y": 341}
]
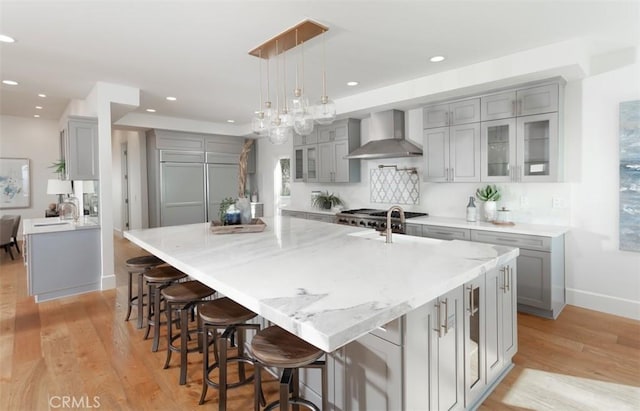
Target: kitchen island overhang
[{"x": 315, "y": 279}]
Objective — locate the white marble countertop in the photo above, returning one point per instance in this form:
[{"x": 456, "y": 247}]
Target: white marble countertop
[
  {"x": 518, "y": 228},
  {"x": 55, "y": 224},
  {"x": 310, "y": 210},
  {"x": 315, "y": 279}
]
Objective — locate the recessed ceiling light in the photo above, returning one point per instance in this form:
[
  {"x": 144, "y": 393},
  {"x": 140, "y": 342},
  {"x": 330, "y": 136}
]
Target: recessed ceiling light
[
  {"x": 171, "y": 98},
  {"x": 42, "y": 95},
  {"x": 38, "y": 107},
  {"x": 352, "y": 83},
  {"x": 436, "y": 59},
  {"x": 151, "y": 110},
  {"x": 231, "y": 121},
  {"x": 6, "y": 39},
  {"x": 10, "y": 82},
  {"x": 36, "y": 115}
]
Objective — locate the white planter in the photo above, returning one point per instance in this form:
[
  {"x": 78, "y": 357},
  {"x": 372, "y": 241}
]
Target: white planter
[{"x": 489, "y": 210}]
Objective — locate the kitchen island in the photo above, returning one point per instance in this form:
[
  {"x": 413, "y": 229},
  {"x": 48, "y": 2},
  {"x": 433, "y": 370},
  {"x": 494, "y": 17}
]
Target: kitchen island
[
  {"x": 338, "y": 287},
  {"x": 62, "y": 256}
]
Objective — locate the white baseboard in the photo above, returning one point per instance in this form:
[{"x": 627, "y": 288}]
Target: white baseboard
[
  {"x": 605, "y": 303},
  {"x": 108, "y": 282}
]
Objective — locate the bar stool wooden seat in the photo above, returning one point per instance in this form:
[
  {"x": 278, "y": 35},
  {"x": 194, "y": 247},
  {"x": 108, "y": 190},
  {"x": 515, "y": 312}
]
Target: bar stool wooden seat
[
  {"x": 230, "y": 317},
  {"x": 275, "y": 347},
  {"x": 183, "y": 297},
  {"x": 157, "y": 279},
  {"x": 137, "y": 266}
]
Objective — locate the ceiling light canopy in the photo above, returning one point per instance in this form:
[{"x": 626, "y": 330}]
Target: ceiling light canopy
[
  {"x": 6, "y": 39},
  {"x": 290, "y": 113}
]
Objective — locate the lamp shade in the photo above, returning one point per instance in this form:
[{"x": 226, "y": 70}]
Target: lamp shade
[{"x": 59, "y": 186}]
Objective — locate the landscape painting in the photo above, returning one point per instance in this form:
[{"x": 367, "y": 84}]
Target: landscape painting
[
  {"x": 14, "y": 183},
  {"x": 630, "y": 176}
]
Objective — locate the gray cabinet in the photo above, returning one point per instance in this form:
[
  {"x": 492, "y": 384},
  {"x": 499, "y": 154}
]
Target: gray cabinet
[
  {"x": 79, "y": 142},
  {"x": 189, "y": 174},
  {"x": 182, "y": 195},
  {"x": 521, "y": 102},
  {"x": 369, "y": 375},
  {"x": 540, "y": 268},
  {"x": 305, "y": 163},
  {"x": 326, "y": 218},
  {"x": 452, "y": 154},
  {"x": 413, "y": 229},
  {"x": 334, "y": 143},
  {"x": 520, "y": 149},
  {"x": 451, "y": 114},
  {"x": 62, "y": 263},
  {"x": 446, "y": 233},
  {"x": 474, "y": 340}
]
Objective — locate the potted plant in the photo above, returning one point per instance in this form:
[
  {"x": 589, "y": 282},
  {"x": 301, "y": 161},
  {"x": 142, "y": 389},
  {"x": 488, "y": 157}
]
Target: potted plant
[
  {"x": 327, "y": 201},
  {"x": 489, "y": 194}
]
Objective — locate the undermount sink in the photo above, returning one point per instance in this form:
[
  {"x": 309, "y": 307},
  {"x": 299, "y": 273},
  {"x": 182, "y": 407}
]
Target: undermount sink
[{"x": 396, "y": 238}]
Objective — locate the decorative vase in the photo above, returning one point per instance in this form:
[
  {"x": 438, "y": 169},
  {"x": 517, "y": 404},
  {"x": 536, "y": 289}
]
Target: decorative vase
[
  {"x": 244, "y": 205},
  {"x": 489, "y": 210}
]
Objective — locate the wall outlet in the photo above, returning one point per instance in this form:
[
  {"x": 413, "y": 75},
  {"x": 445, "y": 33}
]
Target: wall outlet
[{"x": 558, "y": 202}]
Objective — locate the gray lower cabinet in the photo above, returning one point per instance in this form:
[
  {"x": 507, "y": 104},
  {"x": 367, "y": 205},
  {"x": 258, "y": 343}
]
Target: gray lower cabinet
[
  {"x": 293, "y": 213},
  {"x": 62, "y": 263},
  {"x": 445, "y": 355},
  {"x": 325, "y": 218},
  {"x": 540, "y": 267},
  {"x": 445, "y": 233}
]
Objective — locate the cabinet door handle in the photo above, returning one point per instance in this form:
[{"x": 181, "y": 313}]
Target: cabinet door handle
[
  {"x": 446, "y": 120},
  {"x": 513, "y": 107},
  {"x": 446, "y": 316},
  {"x": 519, "y": 107},
  {"x": 438, "y": 328},
  {"x": 472, "y": 310},
  {"x": 503, "y": 270},
  {"x": 508, "y": 273},
  {"x": 453, "y": 175}
]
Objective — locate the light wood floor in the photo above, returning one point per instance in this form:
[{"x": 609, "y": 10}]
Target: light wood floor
[{"x": 81, "y": 347}]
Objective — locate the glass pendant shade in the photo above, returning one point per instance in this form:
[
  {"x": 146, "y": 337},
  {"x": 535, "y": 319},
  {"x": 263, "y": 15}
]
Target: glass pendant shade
[
  {"x": 325, "y": 111},
  {"x": 303, "y": 123},
  {"x": 280, "y": 134},
  {"x": 260, "y": 124}
]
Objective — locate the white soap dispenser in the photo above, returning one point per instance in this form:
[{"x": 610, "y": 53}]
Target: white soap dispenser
[{"x": 472, "y": 211}]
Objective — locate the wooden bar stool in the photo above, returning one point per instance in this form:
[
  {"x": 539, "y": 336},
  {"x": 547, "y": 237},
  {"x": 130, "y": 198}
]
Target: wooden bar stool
[
  {"x": 138, "y": 265},
  {"x": 183, "y": 297},
  {"x": 157, "y": 279},
  {"x": 275, "y": 347},
  {"x": 229, "y": 316}
]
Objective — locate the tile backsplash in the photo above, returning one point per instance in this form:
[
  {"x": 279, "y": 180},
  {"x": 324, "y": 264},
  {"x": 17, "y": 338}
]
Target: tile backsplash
[{"x": 391, "y": 186}]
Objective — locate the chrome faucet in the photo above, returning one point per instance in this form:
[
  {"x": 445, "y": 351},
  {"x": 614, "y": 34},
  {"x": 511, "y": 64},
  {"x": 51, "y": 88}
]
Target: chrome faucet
[{"x": 387, "y": 232}]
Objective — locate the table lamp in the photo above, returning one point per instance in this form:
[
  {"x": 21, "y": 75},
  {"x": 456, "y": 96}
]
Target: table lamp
[{"x": 59, "y": 187}]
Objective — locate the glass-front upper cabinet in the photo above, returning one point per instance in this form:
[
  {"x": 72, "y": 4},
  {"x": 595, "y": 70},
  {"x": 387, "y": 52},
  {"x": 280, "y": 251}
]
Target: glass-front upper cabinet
[
  {"x": 305, "y": 167},
  {"x": 537, "y": 147},
  {"x": 498, "y": 150},
  {"x": 520, "y": 149}
]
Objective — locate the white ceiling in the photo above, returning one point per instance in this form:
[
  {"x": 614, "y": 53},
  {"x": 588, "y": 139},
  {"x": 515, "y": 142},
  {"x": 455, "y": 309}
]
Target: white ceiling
[{"x": 197, "y": 50}]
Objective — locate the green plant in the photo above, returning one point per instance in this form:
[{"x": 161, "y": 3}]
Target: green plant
[
  {"x": 224, "y": 205},
  {"x": 489, "y": 193},
  {"x": 59, "y": 166},
  {"x": 326, "y": 200}
]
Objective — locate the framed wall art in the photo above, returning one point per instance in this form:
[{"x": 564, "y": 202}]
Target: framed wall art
[
  {"x": 630, "y": 176},
  {"x": 14, "y": 183}
]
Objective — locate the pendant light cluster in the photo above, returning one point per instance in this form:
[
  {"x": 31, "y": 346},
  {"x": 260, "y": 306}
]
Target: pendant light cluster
[{"x": 293, "y": 113}]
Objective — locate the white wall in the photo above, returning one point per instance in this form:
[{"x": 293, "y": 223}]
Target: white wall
[
  {"x": 600, "y": 276},
  {"x": 18, "y": 138},
  {"x": 137, "y": 168}
]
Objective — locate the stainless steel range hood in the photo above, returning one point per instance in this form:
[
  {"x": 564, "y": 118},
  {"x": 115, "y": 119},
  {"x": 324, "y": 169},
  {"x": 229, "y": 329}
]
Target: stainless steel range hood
[{"x": 386, "y": 129}]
